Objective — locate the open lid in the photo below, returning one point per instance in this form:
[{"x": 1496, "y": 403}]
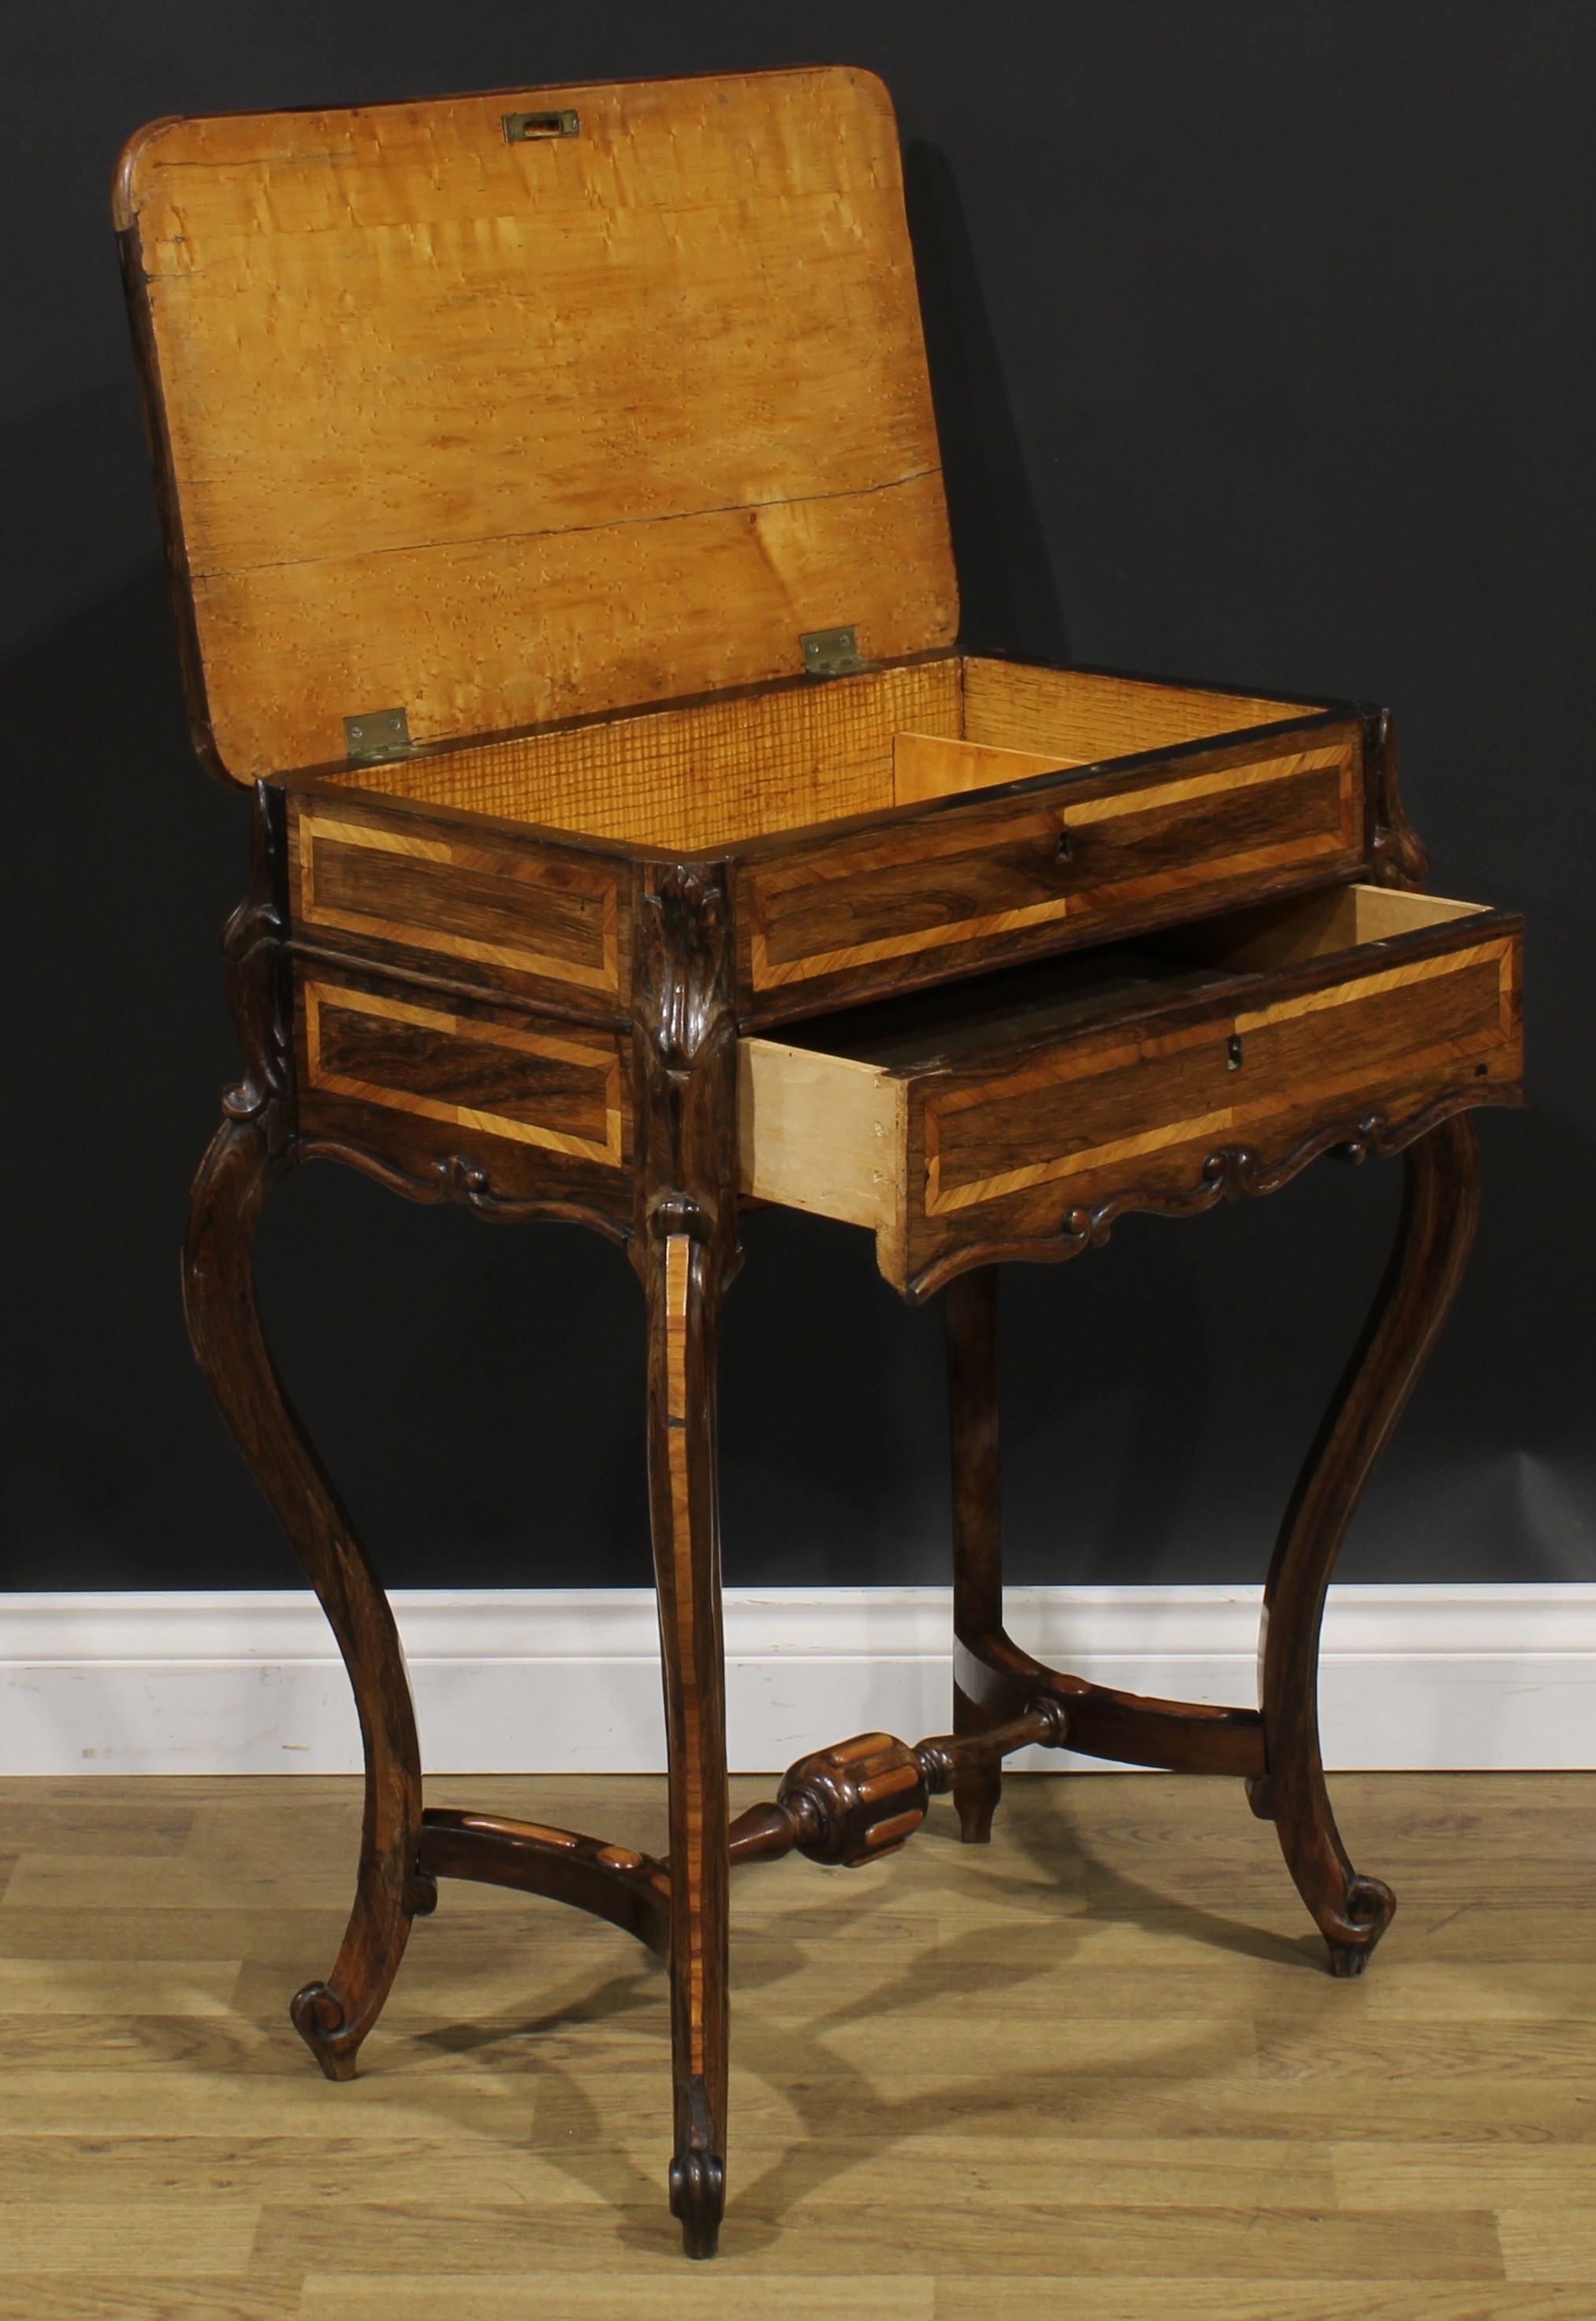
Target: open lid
[{"x": 513, "y": 407}]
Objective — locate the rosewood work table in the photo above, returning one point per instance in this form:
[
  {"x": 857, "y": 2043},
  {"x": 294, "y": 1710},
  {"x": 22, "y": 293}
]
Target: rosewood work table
[{"x": 556, "y": 524}]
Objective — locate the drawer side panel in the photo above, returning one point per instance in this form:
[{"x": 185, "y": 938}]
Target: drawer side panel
[
  {"x": 540, "y": 1107},
  {"x": 399, "y": 890},
  {"x": 820, "y": 1133},
  {"x": 498, "y": 1079}
]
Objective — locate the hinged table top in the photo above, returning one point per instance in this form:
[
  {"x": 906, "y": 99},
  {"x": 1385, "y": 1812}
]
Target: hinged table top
[{"x": 499, "y": 420}]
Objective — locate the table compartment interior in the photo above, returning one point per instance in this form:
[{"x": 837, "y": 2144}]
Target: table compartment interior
[{"x": 732, "y": 769}]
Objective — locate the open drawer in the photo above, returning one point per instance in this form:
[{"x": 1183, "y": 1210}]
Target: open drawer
[{"x": 1021, "y": 1113}]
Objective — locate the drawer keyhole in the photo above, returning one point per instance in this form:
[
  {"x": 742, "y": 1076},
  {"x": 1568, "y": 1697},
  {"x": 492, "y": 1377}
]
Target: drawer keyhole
[
  {"x": 1065, "y": 849},
  {"x": 1233, "y": 1053}
]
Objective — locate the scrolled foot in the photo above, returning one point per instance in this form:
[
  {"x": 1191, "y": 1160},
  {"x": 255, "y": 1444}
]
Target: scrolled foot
[
  {"x": 317, "y": 2015},
  {"x": 698, "y": 2201},
  {"x": 1367, "y": 1910},
  {"x": 1352, "y": 1911},
  {"x": 698, "y": 2171}
]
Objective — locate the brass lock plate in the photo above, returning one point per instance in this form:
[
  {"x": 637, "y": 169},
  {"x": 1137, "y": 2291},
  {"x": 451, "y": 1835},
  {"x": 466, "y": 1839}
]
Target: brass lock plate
[{"x": 522, "y": 128}]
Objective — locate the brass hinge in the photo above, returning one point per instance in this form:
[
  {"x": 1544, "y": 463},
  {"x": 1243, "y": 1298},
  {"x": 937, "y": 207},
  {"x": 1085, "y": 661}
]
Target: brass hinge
[
  {"x": 832, "y": 653},
  {"x": 379, "y": 734},
  {"x": 521, "y": 128}
]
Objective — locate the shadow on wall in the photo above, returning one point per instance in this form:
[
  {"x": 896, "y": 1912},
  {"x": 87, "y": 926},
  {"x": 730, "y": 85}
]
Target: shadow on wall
[
  {"x": 122, "y": 863},
  {"x": 77, "y": 508},
  {"x": 1492, "y": 1475},
  {"x": 1159, "y": 1396},
  {"x": 1008, "y": 596}
]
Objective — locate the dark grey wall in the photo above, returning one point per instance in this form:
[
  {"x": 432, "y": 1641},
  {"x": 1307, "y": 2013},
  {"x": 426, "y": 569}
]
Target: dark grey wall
[{"x": 1264, "y": 341}]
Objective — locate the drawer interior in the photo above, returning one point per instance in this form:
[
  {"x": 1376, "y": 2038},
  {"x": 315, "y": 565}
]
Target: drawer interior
[
  {"x": 824, "y": 1114},
  {"x": 735, "y": 768},
  {"x": 988, "y": 1013}
]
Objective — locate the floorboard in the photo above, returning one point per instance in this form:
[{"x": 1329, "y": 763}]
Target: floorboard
[{"x": 1095, "y": 2067}]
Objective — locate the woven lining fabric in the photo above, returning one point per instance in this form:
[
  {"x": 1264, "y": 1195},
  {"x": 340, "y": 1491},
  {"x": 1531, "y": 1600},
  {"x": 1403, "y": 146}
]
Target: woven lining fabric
[{"x": 703, "y": 777}]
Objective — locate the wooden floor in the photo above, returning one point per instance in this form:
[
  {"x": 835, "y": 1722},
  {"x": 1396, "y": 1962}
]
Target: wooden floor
[{"x": 1096, "y": 2071}]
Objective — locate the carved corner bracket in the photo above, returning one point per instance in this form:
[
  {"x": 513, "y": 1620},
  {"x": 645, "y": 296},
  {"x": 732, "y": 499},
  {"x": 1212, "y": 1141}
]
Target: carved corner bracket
[
  {"x": 254, "y": 946},
  {"x": 1398, "y": 856},
  {"x": 684, "y": 1061}
]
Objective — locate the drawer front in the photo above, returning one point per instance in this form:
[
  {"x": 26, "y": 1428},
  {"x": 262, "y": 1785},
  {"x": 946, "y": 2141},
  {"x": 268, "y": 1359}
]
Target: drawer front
[
  {"x": 541, "y": 1106},
  {"x": 1141, "y": 1109},
  {"x": 967, "y": 889},
  {"x": 514, "y": 920}
]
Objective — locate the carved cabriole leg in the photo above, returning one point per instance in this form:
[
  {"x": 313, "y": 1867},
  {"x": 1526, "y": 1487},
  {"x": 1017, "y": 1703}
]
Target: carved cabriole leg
[
  {"x": 1439, "y": 1209},
  {"x": 683, "y": 1313},
  {"x": 252, "y": 1147},
  {"x": 971, "y": 1320},
  {"x": 332, "y": 2017},
  {"x": 685, "y": 1108}
]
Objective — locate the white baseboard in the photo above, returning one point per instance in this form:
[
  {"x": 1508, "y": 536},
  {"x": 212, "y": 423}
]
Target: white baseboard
[{"x": 567, "y": 1680}]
